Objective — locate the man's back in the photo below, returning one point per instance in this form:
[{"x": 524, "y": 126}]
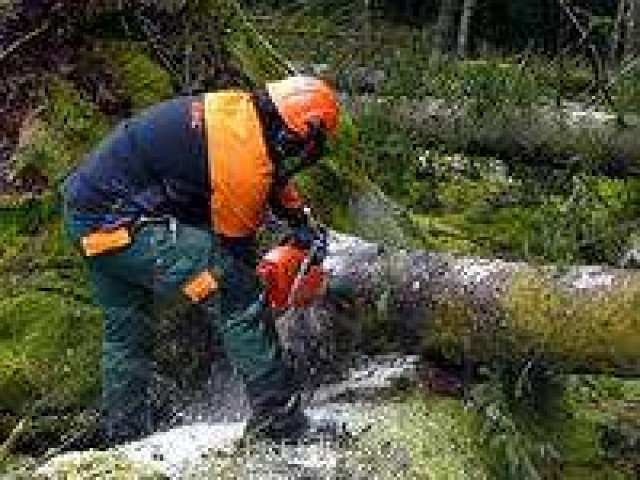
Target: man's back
[{"x": 154, "y": 163}]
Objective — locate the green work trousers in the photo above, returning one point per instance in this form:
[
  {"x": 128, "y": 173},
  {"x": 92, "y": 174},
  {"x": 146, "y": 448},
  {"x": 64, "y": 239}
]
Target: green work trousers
[{"x": 157, "y": 264}]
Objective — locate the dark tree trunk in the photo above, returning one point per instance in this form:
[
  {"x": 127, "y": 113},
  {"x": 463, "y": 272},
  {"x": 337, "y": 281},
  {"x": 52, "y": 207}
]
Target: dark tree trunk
[
  {"x": 632, "y": 41},
  {"x": 616, "y": 35},
  {"x": 446, "y": 26},
  {"x": 465, "y": 27}
]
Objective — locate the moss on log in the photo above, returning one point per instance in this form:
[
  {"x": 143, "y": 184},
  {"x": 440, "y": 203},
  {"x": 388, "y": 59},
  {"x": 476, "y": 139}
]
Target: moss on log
[{"x": 579, "y": 319}]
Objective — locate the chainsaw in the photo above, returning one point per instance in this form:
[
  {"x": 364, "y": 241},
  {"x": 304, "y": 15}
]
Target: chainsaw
[{"x": 292, "y": 274}]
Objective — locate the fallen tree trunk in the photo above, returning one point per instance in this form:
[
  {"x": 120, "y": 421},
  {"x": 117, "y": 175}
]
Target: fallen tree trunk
[
  {"x": 572, "y": 137},
  {"x": 575, "y": 319}
]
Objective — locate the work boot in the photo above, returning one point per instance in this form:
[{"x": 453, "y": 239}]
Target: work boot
[
  {"x": 285, "y": 424},
  {"x": 292, "y": 428}
]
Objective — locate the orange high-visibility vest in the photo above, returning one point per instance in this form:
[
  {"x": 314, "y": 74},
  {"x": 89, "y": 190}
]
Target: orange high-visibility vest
[{"x": 240, "y": 170}]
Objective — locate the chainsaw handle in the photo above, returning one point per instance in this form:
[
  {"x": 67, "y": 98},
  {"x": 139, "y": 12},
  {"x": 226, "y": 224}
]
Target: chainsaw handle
[{"x": 308, "y": 238}]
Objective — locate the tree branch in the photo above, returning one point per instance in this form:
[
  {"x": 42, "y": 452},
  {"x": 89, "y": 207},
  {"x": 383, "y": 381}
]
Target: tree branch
[
  {"x": 615, "y": 35},
  {"x": 153, "y": 42},
  {"x": 24, "y": 40},
  {"x": 596, "y": 60}
]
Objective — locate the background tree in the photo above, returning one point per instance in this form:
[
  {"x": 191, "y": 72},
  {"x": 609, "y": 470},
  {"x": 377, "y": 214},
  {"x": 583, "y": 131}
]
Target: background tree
[
  {"x": 465, "y": 20},
  {"x": 446, "y": 26},
  {"x": 632, "y": 40}
]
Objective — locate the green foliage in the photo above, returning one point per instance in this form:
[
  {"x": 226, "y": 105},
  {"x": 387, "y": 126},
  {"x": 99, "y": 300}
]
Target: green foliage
[
  {"x": 49, "y": 355},
  {"x": 381, "y": 144},
  {"x": 94, "y": 464},
  {"x": 144, "y": 81},
  {"x": 490, "y": 83},
  {"x": 538, "y": 425},
  {"x": 249, "y": 49},
  {"x": 519, "y": 447},
  {"x": 431, "y": 437},
  {"x": 77, "y": 120},
  {"x": 598, "y": 424},
  {"x": 54, "y": 142},
  {"x": 626, "y": 90},
  {"x": 534, "y": 212}
]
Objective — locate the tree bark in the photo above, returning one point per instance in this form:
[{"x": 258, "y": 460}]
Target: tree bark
[
  {"x": 465, "y": 24},
  {"x": 446, "y": 26},
  {"x": 521, "y": 135},
  {"x": 632, "y": 42},
  {"x": 578, "y": 319},
  {"x": 616, "y": 34}
]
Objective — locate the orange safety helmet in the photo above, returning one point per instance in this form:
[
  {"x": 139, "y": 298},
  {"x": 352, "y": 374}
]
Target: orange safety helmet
[{"x": 301, "y": 100}]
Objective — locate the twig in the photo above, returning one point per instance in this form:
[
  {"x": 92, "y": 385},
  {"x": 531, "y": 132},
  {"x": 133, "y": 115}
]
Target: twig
[
  {"x": 596, "y": 60},
  {"x": 29, "y": 36},
  {"x": 584, "y": 34},
  {"x": 167, "y": 63},
  {"x": 187, "y": 58},
  {"x": 615, "y": 35},
  {"x": 279, "y": 60},
  {"x": 25, "y": 39},
  {"x": 633, "y": 62},
  {"x": 8, "y": 444}
]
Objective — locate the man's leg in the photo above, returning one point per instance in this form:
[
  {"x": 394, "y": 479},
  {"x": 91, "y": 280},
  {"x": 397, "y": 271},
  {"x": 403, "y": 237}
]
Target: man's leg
[
  {"x": 252, "y": 345},
  {"x": 127, "y": 348},
  {"x": 158, "y": 263}
]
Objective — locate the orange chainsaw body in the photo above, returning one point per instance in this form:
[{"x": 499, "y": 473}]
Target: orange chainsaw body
[{"x": 279, "y": 268}]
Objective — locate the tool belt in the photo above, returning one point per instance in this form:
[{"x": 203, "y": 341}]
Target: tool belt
[{"x": 110, "y": 238}]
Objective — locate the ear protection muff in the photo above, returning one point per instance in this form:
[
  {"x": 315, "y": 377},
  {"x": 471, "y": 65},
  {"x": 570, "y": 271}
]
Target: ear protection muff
[
  {"x": 291, "y": 151},
  {"x": 300, "y": 153}
]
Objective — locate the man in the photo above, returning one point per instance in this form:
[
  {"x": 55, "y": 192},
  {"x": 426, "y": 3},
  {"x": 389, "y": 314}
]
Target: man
[{"x": 169, "y": 203}]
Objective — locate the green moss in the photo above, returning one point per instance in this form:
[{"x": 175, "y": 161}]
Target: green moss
[
  {"x": 79, "y": 123},
  {"x": 53, "y": 142},
  {"x": 599, "y": 331},
  {"x": 50, "y": 354},
  {"x": 594, "y": 407},
  {"x": 143, "y": 80},
  {"x": 431, "y": 437},
  {"x": 49, "y": 331},
  {"x": 108, "y": 465},
  {"x": 443, "y": 235},
  {"x": 591, "y": 222}
]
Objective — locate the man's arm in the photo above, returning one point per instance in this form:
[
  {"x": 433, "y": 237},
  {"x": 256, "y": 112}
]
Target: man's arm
[{"x": 288, "y": 204}]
